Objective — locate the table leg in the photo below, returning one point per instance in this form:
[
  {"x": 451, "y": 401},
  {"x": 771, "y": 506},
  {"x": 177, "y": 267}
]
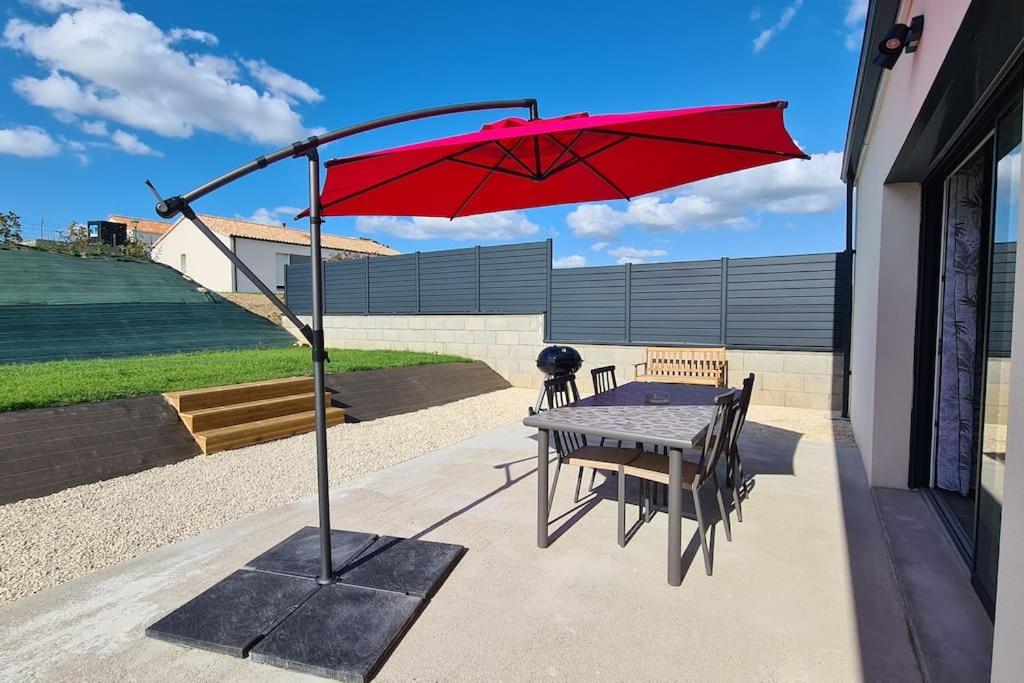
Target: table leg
[
  {"x": 542, "y": 488},
  {"x": 675, "y": 516}
]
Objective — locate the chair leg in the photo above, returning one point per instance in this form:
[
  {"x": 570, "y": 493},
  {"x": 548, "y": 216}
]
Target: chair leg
[
  {"x": 652, "y": 499},
  {"x": 554, "y": 484},
  {"x": 721, "y": 506},
  {"x": 579, "y": 482},
  {"x": 645, "y": 501},
  {"x": 700, "y": 532},
  {"x": 593, "y": 477},
  {"x": 622, "y": 507},
  {"x": 737, "y": 487}
]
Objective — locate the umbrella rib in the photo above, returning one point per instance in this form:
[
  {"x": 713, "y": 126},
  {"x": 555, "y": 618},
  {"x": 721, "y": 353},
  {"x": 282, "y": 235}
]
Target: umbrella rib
[
  {"x": 400, "y": 176},
  {"x": 516, "y": 159},
  {"x": 561, "y": 154},
  {"x": 483, "y": 180},
  {"x": 589, "y": 155},
  {"x": 706, "y": 143},
  {"x": 536, "y": 155},
  {"x": 593, "y": 170},
  {"x": 485, "y": 167}
]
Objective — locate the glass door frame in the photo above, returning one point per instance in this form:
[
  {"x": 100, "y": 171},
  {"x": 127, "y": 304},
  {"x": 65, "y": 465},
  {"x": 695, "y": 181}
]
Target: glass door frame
[
  {"x": 930, "y": 269},
  {"x": 964, "y": 539}
]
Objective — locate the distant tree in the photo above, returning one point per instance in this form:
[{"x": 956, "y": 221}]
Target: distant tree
[
  {"x": 10, "y": 228},
  {"x": 77, "y": 237}
]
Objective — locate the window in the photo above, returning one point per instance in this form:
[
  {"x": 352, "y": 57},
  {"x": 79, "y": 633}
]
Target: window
[{"x": 184, "y": 266}]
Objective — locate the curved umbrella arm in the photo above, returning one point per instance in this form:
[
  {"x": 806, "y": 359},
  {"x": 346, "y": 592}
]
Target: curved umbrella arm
[{"x": 171, "y": 206}]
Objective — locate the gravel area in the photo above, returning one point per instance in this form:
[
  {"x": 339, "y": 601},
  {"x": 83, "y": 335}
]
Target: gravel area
[
  {"x": 815, "y": 425},
  {"x": 45, "y": 541}
]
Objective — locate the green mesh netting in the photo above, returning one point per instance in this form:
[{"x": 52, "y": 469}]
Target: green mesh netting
[{"x": 54, "y": 307}]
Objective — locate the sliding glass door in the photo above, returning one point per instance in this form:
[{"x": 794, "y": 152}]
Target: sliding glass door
[
  {"x": 981, "y": 205},
  {"x": 995, "y": 392}
]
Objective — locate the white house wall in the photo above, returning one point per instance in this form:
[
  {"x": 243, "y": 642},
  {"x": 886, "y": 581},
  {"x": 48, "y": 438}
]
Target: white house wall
[
  {"x": 260, "y": 256},
  {"x": 204, "y": 262},
  {"x": 887, "y": 229}
]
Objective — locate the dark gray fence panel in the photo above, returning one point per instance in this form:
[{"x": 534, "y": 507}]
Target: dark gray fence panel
[
  {"x": 513, "y": 278},
  {"x": 297, "y": 292},
  {"x": 786, "y": 301},
  {"x": 393, "y": 284},
  {"x": 345, "y": 286},
  {"x": 676, "y": 303},
  {"x": 1004, "y": 265},
  {"x": 588, "y": 304},
  {"x": 448, "y": 281}
]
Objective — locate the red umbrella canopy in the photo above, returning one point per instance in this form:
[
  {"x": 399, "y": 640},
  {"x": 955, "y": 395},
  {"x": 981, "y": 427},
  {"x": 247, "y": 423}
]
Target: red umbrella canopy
[{"x": 519, "y": 164}]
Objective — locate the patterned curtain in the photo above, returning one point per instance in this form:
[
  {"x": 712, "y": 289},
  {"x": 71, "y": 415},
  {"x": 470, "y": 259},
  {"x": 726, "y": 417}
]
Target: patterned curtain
[{"x": 960, "y": 369}]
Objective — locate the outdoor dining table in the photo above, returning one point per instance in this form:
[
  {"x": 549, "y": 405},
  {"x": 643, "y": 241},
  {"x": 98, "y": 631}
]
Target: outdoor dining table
[{"x": 623, "y": 413}]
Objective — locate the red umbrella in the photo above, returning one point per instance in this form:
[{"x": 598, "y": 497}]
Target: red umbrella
[{"x": 518, "y": 163}]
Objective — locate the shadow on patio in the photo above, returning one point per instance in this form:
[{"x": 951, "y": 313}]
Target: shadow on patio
[{"x": 804, "y": 591}]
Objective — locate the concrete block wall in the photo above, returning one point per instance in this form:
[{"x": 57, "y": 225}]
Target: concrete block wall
[{"x": 510, "y": 343}]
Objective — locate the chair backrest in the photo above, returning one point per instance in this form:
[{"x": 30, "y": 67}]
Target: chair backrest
[
  {"x": 604, "y": 378},
  {"x": 561, "y": 391},
  {"x": 690, "y": 366},
  {"x": 719, "y": 431},
  {"x": 742, "y": 403}
]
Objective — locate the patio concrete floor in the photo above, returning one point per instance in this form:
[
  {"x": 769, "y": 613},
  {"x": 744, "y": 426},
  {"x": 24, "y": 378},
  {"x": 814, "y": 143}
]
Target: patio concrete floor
[{"x": 804, "y": 592}]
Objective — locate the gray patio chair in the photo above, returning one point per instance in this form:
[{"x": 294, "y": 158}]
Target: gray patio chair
[
  {"x": 573, "y": 449},
  {"x": 734, "y": 477},
  {"x": 653, "y": 467},
  {"x": 604, "y": 379}
]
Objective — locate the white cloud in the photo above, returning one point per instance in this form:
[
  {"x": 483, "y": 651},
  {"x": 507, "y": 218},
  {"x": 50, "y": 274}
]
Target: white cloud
[
  {"x": 126, "y": 142},
  {"x": 573, "y": 261},
  {"x": 275, "y": 216},
  {"x": 731, "y": 201},
  {"x": 765, "y": 36},
  {"x": 596, "y": 220},
  {"x": 104, "y": 62},
  {"x": 55, "y": 6},
  {"x": 755, "y": 13},
  {"x": 223, "y": 68},
  {"x": 856, "y": 13},
  {"x": 28, "y": 142},
  {"x": 281, "y": 84},
  {"x": 634, "y": 253},
  {"x": 176, "y": 35},
  {"x": 95, "y": 128},
  {"x": 502, "y": 225},
  {"x": 599, "y": 246}
]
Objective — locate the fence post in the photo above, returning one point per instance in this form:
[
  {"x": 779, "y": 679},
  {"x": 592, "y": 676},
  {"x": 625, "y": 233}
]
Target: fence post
[
  {"x": 366, "y": 268},
  {"x": 724, "y": 311},
  {"x": 476, "y": 256},
  {"x": 628, "y": 304},
  {"x": 547, "y": 306},
  {"x": 419, "y": 306}
]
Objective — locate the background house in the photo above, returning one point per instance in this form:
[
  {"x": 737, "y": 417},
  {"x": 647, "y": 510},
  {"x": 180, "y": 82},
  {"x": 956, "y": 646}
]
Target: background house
[
  {"x": 142, "y": 229},
  {"x": 933, "y": 167},
  {"x": 266, "y": 249}
]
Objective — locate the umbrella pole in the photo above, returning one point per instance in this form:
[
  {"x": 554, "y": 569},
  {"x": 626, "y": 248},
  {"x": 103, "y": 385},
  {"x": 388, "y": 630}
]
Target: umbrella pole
[
  {"x": 168, "y": 208},
  {"x": 319, "y": 356}
]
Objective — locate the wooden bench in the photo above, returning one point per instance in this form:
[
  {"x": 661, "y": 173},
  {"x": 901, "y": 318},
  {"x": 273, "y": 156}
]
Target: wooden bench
[{"x": 683, "y": 366}]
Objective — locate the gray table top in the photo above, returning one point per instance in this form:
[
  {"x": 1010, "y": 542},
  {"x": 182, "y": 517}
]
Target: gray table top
[{"x": 621, "y": 414}]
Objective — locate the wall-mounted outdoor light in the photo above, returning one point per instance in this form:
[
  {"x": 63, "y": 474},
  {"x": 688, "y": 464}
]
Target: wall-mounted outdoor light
[{"x": 899, "y": 38}]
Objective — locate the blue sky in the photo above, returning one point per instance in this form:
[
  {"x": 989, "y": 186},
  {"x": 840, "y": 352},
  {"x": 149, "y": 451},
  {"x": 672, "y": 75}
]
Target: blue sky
[{"x": 99, "y": 95}]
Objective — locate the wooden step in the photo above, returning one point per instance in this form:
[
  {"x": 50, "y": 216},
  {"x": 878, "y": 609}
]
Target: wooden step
[
  {"x": 211, "y": 397},
  {"x": 261, "y": 431},
  {"x": 236, "y": 413}
]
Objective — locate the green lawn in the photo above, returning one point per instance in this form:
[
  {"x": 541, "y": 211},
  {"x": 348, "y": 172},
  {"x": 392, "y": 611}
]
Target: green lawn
[{"x": 57, "y": 383}]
